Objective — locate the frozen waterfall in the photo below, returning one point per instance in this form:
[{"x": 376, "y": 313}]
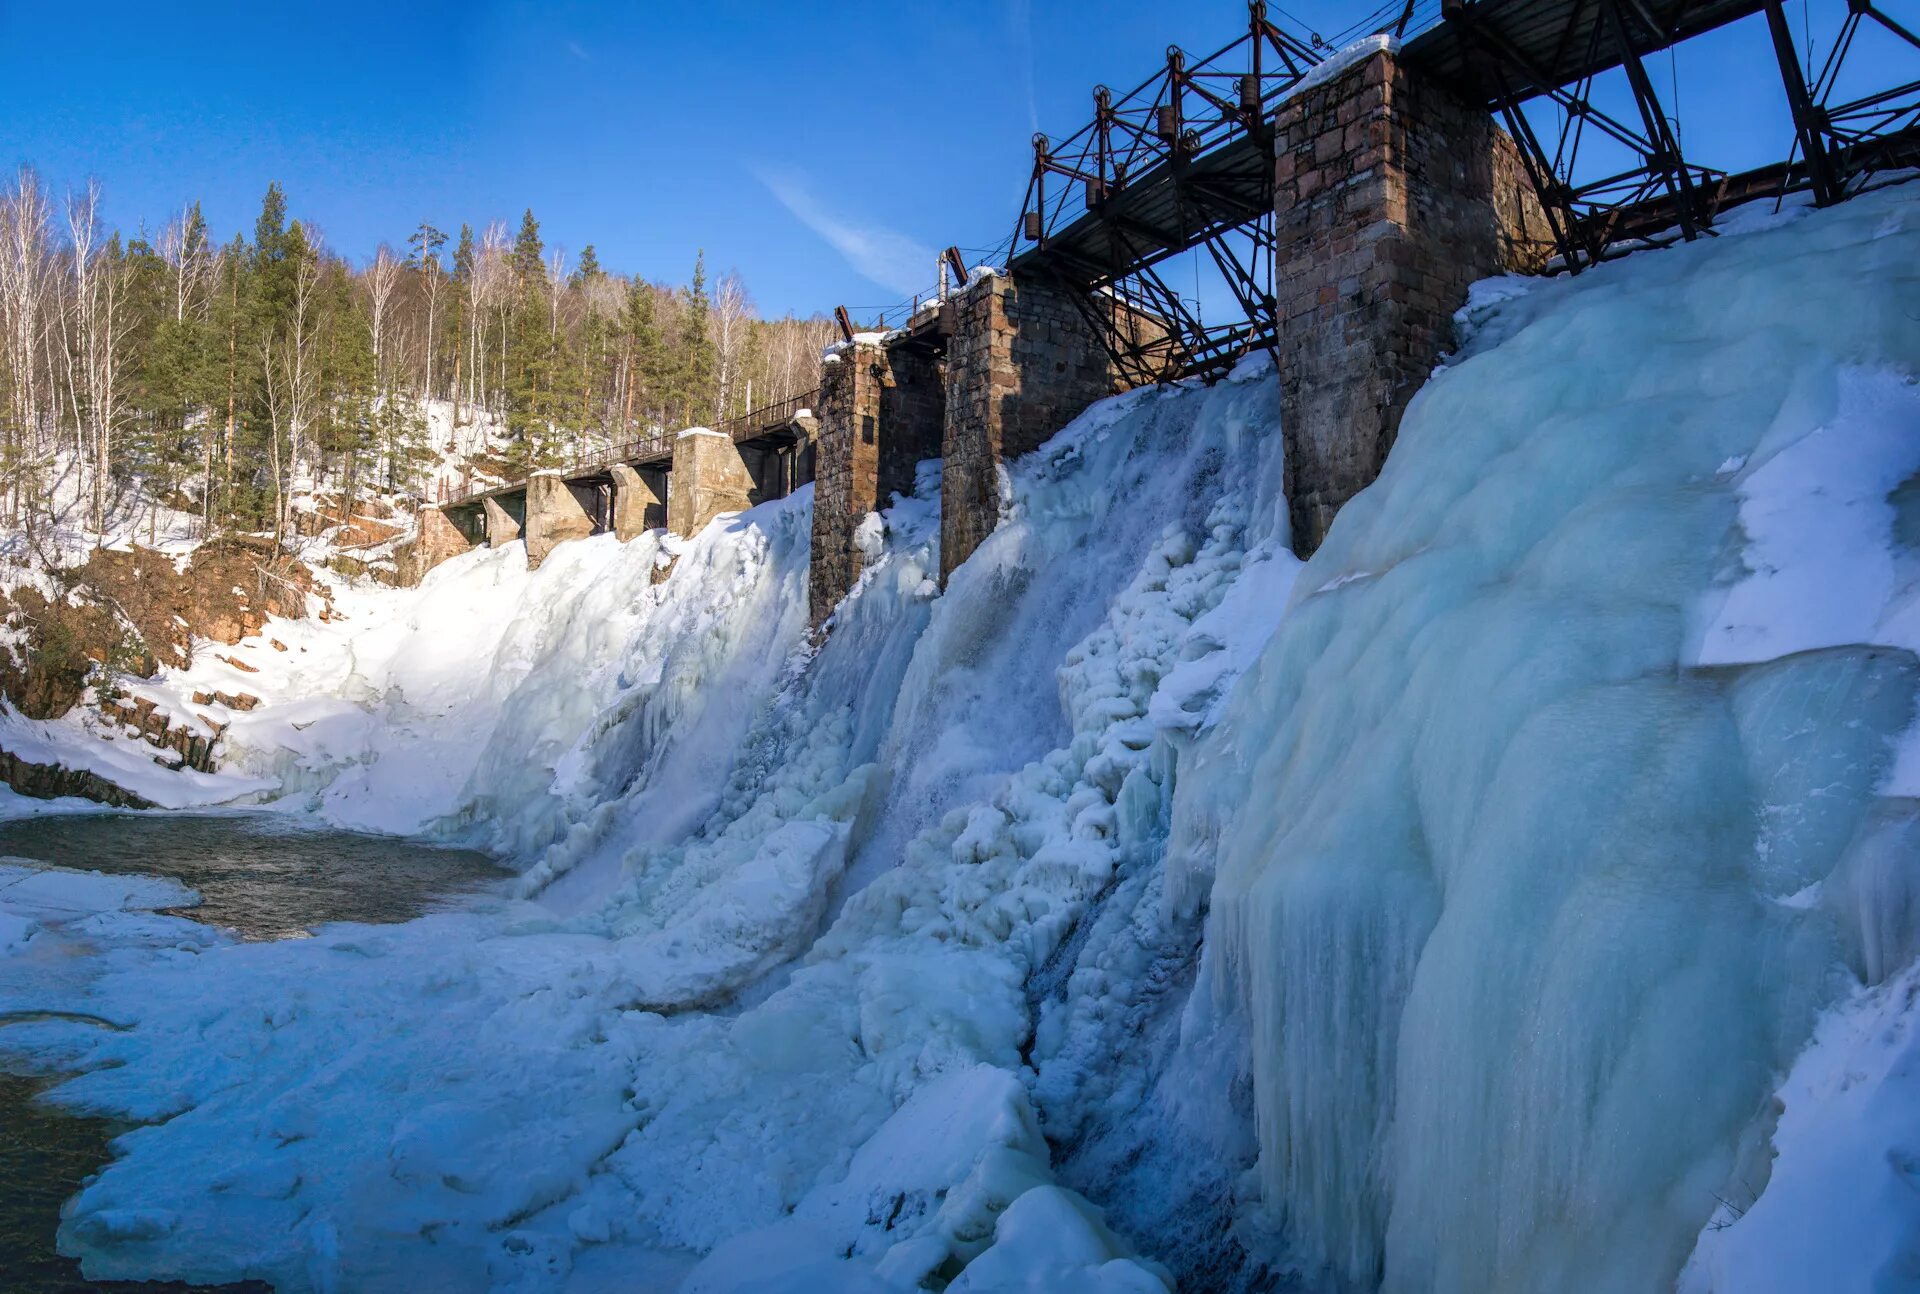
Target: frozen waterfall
[{"x": 1145, "y": 907}]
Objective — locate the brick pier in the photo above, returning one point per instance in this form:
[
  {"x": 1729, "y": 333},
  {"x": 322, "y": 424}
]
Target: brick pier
[
  {"x": 1021, "y": 364},
  {"x": 881, "y": 410}
]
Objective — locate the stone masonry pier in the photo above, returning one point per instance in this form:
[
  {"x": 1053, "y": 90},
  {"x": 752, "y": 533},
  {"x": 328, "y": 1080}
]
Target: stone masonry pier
[
  {"x": 1391, "y": 196},
  {"x": 881, "y": 410},
  {"x": 986, "y": 375}
]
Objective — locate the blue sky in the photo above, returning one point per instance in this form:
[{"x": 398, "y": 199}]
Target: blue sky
[{"x": 824, "y": 150}]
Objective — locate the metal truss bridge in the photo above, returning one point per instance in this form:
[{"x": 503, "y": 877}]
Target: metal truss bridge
[{"x": 1184, "y": 161}]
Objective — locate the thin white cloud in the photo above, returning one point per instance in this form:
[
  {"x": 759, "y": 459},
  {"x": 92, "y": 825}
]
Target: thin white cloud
[
  {"x": 1020, "y": 28},
  {"x": 887, "y": 257}
]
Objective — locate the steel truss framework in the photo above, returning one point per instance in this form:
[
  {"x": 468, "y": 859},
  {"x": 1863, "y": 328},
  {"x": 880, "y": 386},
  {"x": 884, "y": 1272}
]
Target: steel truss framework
[
  {"x": 1842, "y": 145},
  {"x": 1837, "y": 149},
  {"x": 1182, "y": 161},
  {"x": 1586, "y": 217}
]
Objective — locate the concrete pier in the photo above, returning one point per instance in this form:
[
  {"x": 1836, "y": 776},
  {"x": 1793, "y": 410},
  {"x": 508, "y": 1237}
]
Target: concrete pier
[
  {"x": 639, "y": 499},
  {"x": 503, "y": 527},
  {"x": 556, "y": 511},
  {"x": 709, "y": 477}
]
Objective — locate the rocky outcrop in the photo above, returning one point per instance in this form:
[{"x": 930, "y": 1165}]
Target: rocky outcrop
[
  {"x": 190, "y": 743},
  {"x": 54, "y": 782},
  {"x": 124, "y": 613},
  {"x": 225, "y": 592},
  {"x": 60, "y": 641}
]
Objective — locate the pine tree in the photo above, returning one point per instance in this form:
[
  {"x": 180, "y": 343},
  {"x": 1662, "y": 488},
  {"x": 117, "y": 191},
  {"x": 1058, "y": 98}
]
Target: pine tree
[
  {"x": 641, "y": 336},
  {"x": 534, "y": 407},
  {"x": 463, "y": 255},
  {"x": 529, "y": 264},
  {"x": 589, "y": 268},
  {"x": 424, "y": 260},
  {"x": 270, "y": 227},
  {"x": 461, "y": 310},
  {"x": 426, "y": 242},
  {"x": 695, "y": 391}
]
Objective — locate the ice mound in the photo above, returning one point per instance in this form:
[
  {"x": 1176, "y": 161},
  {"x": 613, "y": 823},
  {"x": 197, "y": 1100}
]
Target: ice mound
[{"x": 1521, "y": 820}]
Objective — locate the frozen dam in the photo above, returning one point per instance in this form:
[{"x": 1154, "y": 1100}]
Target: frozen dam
[{"x": 1486, "y": 904}]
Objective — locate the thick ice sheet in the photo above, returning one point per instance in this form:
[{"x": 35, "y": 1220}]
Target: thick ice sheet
[{"x": 1517, "y": 884}]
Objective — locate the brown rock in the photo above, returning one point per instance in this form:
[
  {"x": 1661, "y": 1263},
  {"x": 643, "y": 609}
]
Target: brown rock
[{"x": 53, "y": 781}]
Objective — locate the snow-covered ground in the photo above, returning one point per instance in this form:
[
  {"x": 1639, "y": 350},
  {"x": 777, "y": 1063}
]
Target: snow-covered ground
[
  {"x": 132, "y": 518},
  {"x": 1440, "y": 915}
]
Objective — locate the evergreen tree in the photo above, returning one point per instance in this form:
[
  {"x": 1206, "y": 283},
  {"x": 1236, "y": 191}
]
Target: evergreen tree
[
  {"x": 534, "y": 404},
  {"x": 462, "y": 312},
  {"x": 695, "y": 386},
  {"x": 251, "y": 368},
  {"x": 270, "y": 227},
  {"x": 426, "y": 242},
  {"x": 529, "y": 263},
  {"x": 463, "y": 255},
  {"x": 641, "y": 333},
  {"x": 589, "y": 268}
]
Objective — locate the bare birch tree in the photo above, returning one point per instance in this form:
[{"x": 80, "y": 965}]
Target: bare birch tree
[
  {"x": 492, "y": 294},
  {"x": 99, "y": 287},
  {"x": 26, "y": 272},
  {"x": 732, "y": 309},
  {"x": 184, "y": 247},
  {"x": 292, "y": 379},
  {"x": 383, "y": 276}
]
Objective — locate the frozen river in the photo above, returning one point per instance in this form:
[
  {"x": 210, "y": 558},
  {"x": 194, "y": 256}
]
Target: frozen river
[{"x": 261, "y": 878}]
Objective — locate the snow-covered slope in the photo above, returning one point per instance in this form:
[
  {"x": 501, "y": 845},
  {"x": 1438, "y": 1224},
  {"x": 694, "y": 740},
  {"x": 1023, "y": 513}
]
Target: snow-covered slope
[{"x": 1439, "y": 915}]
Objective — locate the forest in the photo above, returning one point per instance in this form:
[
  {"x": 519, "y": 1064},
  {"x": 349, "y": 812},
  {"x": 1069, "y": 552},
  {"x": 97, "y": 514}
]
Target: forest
[{"x": 152, "y": 370}]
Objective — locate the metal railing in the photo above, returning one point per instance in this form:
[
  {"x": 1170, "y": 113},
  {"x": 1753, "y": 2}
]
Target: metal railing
[
  {"x": 907, "y": 314},
  {"x": 1191, "y": 107},
  {"x": 757, "y": 422}
]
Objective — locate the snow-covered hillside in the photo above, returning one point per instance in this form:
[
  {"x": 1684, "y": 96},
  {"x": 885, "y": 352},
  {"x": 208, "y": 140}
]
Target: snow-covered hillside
[{"x": 1440, "y": 915}]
